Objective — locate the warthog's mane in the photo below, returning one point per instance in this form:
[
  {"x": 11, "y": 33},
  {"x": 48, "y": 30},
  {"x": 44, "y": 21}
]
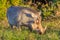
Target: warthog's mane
[{"x": 26, "y": 8}]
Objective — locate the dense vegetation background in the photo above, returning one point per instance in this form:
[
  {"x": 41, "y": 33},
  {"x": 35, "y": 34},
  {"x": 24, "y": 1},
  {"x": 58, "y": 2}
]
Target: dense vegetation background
[{"x": 50, "y": 15}]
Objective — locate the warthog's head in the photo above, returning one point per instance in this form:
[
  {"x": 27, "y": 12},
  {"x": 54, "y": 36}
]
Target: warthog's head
[{"x": 38, "y": 26}]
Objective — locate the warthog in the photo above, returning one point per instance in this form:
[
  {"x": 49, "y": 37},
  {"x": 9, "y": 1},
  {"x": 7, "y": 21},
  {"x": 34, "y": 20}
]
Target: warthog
[{"x": 18, "y": 16}]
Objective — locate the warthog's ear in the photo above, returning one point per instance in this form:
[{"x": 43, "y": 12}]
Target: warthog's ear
[
  {"x": 33, "y": 15},
  {"x": 39, "y": 12}
]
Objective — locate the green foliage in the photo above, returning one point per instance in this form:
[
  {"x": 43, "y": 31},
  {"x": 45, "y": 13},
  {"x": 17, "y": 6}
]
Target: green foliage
[{"x": 46, "y": 11}]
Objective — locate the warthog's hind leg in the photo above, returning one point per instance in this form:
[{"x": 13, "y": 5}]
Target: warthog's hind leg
[{"x": 11, "y": 26}]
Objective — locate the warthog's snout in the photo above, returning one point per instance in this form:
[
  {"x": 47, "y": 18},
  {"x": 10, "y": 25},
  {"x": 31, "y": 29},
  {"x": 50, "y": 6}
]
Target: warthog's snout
[{"x": 38, "y": 27}]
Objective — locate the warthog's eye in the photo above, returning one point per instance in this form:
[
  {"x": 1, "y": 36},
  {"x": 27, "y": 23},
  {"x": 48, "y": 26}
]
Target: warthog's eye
[{"x": 37, "y": 21}]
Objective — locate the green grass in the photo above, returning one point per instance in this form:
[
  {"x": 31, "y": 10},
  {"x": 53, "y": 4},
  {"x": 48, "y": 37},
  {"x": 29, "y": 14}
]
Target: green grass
[{"x": 52, "y": 32}]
